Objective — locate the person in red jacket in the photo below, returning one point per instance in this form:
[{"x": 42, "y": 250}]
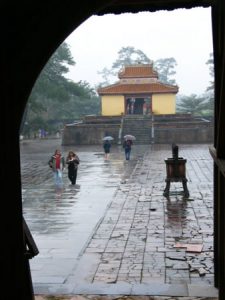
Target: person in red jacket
[{"x": 57, "y": 164}]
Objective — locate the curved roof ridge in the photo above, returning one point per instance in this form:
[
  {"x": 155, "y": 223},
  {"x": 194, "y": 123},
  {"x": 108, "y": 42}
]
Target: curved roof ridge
[
  {"x": 109, "y": 86},
  {"x": 138, "y": 88},
  {"x": 138, "y": 71}
]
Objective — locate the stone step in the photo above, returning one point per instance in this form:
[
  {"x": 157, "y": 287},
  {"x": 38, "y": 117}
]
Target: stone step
[{"x": 140, "y": 127}]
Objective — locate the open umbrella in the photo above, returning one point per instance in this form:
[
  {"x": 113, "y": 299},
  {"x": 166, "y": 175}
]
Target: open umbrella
[
  {"x": 108, "y": 138},
  {"x": 129, "y": 137}
]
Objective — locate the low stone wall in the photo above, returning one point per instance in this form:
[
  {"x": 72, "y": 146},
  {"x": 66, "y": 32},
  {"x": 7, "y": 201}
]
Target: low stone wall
[
  {"x": 184, "y": 135},
  {"x": 89, "y": 134},
  {"x": 177, "y": 128},
  {"x": 92, "y": 134}
]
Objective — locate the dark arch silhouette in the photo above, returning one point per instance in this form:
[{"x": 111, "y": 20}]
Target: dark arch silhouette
[{"x": 30, "y": 33}]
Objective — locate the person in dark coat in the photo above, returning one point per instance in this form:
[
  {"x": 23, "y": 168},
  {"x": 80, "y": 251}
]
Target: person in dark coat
[
  {"x": 107, "y": 147},
  {"x": 127, "y": 148},
  {"x": 72, "y": 161}
]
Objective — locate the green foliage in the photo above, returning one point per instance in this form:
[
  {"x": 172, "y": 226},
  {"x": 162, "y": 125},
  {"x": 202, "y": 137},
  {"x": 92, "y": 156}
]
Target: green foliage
[
  {"x": 193, "y": 104},
  {"x": 166, "y": 69},
  {"x": 210, "y": 88},
  {"x": 131, "y": 56},
  {"x": 126, "y": 56},
  {"x": 106, "y": 74},
  {"x": 210, "y": 64},
  {"x": 55, "y": 99},
  {"x": 200, "y": 105},
  {"x": 208, "y": 105}
]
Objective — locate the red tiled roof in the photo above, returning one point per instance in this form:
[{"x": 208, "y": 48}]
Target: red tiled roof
[
  {"x": 121, "y": 89},
  {"x": 138, "y": 71}
]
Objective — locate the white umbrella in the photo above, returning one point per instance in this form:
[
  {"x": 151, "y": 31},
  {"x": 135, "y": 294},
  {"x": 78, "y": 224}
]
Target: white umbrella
[
  {"x": 108, "y": 138},
  {"x": 129, "y": 137}
]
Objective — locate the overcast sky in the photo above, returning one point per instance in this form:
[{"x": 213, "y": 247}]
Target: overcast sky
[{"x": 183, "y": 34}]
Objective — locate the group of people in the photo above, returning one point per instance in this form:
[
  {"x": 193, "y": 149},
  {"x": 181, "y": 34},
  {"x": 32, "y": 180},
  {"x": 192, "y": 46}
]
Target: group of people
[
  {"x": 57, "y": 163},
  {"x": 126, "y": 145}
]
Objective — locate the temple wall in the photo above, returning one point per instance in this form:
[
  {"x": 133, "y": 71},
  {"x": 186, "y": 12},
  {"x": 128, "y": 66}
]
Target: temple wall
[
  {"x": 164, "y": 104},
  {"x": 112, "y": 105}
]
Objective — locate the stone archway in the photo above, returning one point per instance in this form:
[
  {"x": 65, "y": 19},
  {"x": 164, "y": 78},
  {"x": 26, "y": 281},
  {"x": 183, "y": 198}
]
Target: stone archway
[{"x": 30, "y": 33}]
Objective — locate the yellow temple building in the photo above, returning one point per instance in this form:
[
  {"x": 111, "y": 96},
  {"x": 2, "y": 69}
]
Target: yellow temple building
[{"x": 138, "y": 91}]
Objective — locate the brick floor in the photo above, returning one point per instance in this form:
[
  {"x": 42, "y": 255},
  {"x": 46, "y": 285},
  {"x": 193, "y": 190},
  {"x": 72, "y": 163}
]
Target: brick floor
[
  {"x": 131, "y": 249},
  {"x": 135, "y": 240}
]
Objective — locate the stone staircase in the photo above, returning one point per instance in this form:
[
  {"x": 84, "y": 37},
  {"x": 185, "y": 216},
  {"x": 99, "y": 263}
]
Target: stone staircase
[{"x": 140, "y": 126}]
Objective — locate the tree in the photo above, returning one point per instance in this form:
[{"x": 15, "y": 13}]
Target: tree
[
  {"x": 106, "y": 75},
  {"x": 210, "y": 63},
  {"x": 166, "y": 69},
  {"x": 126, "y": 56},
  {"x": 51, "y": 82},
  {"x": 49, "y": 88},
  {"x": 130, "y": 56},
  {"x": 85, "y": 102},
  {"x": 210, "y": 88},
  {"x": 56, "y": 99},
  {"x": 192, "y": 104}
]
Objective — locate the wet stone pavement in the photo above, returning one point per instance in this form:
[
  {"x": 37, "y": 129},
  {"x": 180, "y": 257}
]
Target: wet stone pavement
[{"x": 115, "y": 233}]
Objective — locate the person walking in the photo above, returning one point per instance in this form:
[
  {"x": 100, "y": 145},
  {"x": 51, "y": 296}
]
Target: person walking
[
  {"x": 72, "y": 161},
  {"x": 107, "y": 147},
  {"x": 57, "y": 164},
  {"x": 127, "y": 148}
]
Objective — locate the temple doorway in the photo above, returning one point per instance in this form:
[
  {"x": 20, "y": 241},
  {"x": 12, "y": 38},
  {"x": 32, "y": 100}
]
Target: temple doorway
[{"x": 138, "y": 106}]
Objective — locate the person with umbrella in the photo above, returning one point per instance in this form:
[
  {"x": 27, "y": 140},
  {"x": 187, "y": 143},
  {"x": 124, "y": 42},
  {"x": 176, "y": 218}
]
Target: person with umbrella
[
  {"x": 128, "y": 142},
  {"x": 107, "y": 146}
]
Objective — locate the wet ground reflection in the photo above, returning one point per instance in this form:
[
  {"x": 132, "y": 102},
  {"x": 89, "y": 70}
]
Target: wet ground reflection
[{"x": 49, "y": 210}]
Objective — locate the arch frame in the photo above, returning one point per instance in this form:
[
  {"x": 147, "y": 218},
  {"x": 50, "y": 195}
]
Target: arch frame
[{"x": 30, "y": 33}]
